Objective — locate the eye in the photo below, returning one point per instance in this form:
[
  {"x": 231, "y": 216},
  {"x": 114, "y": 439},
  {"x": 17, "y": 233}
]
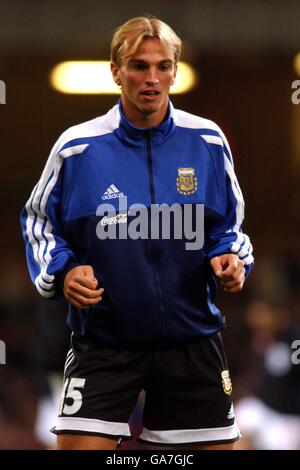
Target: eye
[
  {"x": 165, "y": 67},
  {"x": 139, "y": 66}
]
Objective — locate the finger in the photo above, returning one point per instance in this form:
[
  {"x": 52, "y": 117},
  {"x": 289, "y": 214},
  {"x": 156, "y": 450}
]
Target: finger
[
  {"x": 90, "y": 283},
  {"x": 79, "y": 305},
  {"x": 216, "y": 265},
  {"x": 83, "y": 301},
  {"x": 232, "y": 290},
  {"x": 89, "y": 272},
  {"x": 234, "y": 287},
  {"x": 85, "y": 275},
  {"x": 84, "y": 291},
  {"x": 72, "y": 299},
  {"x": 230, "y": 284},
  {"x": 236, "y": 277},
  {"x": 234, "y": 265}
]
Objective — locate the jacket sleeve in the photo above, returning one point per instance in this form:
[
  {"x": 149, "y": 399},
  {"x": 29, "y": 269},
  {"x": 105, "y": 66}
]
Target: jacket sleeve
[
  {"x": 48, "y": 254},
  {"x": 227, "y": 235}
]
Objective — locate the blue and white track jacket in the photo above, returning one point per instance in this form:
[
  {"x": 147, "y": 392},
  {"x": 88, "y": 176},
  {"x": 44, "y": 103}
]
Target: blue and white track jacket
[{"x": 157, "y": 293}]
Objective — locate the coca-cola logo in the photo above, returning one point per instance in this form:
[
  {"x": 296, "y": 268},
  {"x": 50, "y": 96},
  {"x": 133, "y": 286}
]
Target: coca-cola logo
[{"x": 117, "y": 219}]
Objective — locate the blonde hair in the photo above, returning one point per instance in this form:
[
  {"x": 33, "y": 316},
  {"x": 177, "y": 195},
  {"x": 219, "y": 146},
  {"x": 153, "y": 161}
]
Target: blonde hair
[{"x": 128, "y": 36}]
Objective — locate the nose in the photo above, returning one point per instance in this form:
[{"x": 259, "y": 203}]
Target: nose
[{"x": 152, "y": 77}]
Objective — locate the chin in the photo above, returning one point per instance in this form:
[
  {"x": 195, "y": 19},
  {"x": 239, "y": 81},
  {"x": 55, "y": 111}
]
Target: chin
[{"x": 149, "y": 109}]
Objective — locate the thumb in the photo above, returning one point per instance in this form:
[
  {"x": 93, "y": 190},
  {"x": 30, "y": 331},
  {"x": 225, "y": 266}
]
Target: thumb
[
  {"x": 216, "y": 265},
  {"x": 89, "y": 273}
]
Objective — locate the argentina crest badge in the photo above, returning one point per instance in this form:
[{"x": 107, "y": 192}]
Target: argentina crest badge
[
  {"x": 226, "y": 382},
  {"x": 186, "y": 181}
]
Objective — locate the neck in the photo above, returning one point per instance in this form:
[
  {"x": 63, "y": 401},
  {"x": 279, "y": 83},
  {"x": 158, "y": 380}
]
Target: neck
[{"x": 144, "y": 120}]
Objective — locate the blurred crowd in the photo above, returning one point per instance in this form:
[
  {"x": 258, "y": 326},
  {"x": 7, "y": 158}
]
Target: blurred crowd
[{"x": 262, "y": 321}]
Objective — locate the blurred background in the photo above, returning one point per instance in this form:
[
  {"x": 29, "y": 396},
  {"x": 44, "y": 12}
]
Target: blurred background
[{"x": 244, "y": 55}]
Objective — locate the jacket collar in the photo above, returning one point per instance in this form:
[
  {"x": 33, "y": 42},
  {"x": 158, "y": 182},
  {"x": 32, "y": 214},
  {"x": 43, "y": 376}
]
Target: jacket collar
[{"x": 136, "y": 136}]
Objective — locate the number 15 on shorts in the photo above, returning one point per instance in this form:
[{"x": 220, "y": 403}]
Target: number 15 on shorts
[{"x": 71, "y": 393}]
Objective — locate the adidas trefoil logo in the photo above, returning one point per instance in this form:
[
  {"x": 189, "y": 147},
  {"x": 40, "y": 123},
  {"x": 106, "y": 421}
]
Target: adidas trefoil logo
[{"x": 112, "y": 192}]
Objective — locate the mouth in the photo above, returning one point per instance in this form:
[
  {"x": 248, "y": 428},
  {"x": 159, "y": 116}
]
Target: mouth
[{"x": 150, "y": 94}]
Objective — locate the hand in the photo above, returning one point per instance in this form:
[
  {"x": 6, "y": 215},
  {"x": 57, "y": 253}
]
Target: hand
[
  {"x": 230, "y": 270},
  {"x": 80, "y": 287}
]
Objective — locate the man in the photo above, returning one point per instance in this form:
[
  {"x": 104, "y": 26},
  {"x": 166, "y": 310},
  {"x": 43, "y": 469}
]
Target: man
[{"x": 141, "y": 306}]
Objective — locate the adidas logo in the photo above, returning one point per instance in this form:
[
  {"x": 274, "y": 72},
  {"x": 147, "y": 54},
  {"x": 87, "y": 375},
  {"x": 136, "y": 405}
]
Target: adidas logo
[{"x": 112, "y": 192}]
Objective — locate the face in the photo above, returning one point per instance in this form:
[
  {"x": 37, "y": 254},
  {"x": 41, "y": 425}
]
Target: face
[{"x": 145, "y": 79}]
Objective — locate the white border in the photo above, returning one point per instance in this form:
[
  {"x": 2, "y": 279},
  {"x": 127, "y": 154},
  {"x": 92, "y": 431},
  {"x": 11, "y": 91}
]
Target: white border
[
  {"x": 92, "y": 425},
  {"x": 180, "y": 436}
]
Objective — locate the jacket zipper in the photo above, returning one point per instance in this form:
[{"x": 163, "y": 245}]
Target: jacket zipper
[
  {"x": 150, "y": 165},
  {"x": 155, "y": 242}
]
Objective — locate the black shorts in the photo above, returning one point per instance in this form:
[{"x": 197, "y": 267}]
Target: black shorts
[{"x": 187, "y": 392}]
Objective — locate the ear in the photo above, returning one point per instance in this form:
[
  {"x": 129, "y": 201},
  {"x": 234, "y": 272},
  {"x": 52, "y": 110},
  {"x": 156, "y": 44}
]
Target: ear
[{"x": 115, "y": 73}]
